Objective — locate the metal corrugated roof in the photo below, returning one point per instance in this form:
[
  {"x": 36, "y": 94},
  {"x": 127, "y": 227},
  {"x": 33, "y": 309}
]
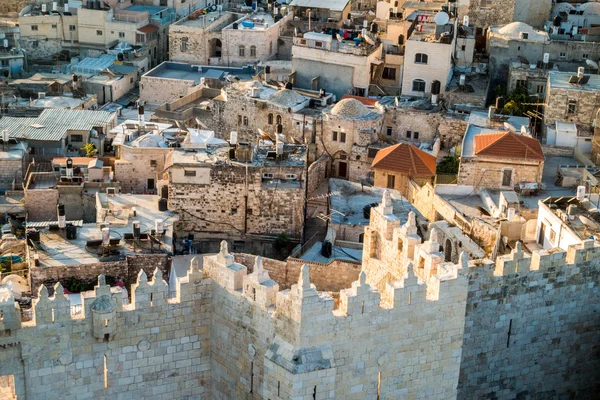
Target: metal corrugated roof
[
  {"x": 52, "y": 124},
  {"x": 45, "y": 224},
  {"x": 334, "y": 5}
]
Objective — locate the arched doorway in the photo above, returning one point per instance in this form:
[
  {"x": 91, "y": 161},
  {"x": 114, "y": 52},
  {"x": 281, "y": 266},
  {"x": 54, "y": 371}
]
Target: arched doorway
[
  {"x": 215, "y": 46},
  {"x": 448, "y": 250}
]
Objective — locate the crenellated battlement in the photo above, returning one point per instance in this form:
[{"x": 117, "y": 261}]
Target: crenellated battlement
[{"x": 230, "y": 332}]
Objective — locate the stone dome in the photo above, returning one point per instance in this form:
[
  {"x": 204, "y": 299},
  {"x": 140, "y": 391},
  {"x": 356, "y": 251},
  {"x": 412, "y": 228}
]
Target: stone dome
[
  {"x": 103, "y": 305},
  {"x": 287, "y": 98},
  {"x": 514, "y": 30},
  {"x": 350, "y": 108}
]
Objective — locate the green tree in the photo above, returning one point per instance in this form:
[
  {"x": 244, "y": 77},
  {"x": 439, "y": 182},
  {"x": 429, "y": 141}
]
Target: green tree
[
  {"x": 90, "y": 150},
  {"x": 519, "y": 102}
]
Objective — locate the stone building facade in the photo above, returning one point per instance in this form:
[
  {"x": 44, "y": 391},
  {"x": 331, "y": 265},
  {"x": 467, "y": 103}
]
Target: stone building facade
[
  {"x": 138, "y": 169},
  {"x": 229, "y": 332},
  {"x": 570, "y": 102},
  {"x": 225, "y": 40},
  {"x": 249, "y": 204},
  {"x": 349, "y": 129},
  {"x": 486, "y": 13}
]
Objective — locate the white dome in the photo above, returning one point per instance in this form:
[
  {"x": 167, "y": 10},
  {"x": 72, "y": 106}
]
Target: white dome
[
  {"x": 287, "y": 98},
  {"x": 350, "y": 108}
]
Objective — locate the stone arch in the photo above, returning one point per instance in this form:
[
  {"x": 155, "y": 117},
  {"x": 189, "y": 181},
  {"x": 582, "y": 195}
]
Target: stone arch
[
  {"x": 448, "y": 250},
  {"x": 215, "y": 46}
]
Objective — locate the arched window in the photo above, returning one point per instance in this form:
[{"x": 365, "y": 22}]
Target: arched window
[
  {"x": 242, "y": 51},
  {"x": 252, "y": 51},
  {"x": 418, "y": 85},
  {"x": 270, "y": 119},
  {"x": 184, "y": 44},
  {"x": 421, "y": 58},
  {"x": 278, "y": 119}
]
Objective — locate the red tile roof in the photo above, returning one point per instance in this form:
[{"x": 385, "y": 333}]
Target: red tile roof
[
  {"x": 508, "y": 145},
  {"x": 365, "y": 100},
  {"x": 405, "y": 158}
]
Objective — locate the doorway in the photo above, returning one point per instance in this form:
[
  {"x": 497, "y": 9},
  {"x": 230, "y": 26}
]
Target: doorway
[
  {"x": 342, "y": 169},
  {"x": 151, "y": 185},
  {"x": 542, "y": 234}
]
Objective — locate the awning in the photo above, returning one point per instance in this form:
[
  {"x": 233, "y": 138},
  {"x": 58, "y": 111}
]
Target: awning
[{"x": 377, "y": 62}]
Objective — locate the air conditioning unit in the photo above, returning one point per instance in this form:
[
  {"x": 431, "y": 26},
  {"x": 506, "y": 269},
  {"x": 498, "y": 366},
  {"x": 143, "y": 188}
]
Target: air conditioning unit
[{"x": 267, "y": 175}]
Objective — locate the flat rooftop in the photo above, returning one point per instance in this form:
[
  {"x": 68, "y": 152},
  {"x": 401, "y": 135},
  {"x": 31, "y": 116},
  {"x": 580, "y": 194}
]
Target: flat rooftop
[
  {"x": 560, "y": 80},
  {"x": 348, "y": 200},
  {"x": 255, "y": 22},
  {"x": 338, "y": 252},
  {"x": 131, "y": 133},
  {"x": 204, "y": 21},
  {"x": 55, "y": 250},
  {"x": 295, "y": 156},
  {"x": 181, "y": 71}
]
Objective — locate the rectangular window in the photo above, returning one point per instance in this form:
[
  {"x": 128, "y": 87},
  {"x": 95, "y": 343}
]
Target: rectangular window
[
  {"x": 121, "y": 34},
  {"x": 521, "y": 83},
  {"x": 318, "y": 44},
  {"x": 388, "y": 130},
  {"x": 153, "y": 163},
  {"x": 77, "y": 138},
  {"x": 245, "y": 121},
  {"x": 572, "y": 107},
  {"x": 34, "y": 27},
  {"x": 98, "y": 33},
  {"x": 562, "y": 55},
  {"x": 391, "y": 181},
  {"x": 239, "y": 119},
  {"x": 342, "y": 137},
  {"x": 552, "y": 236},
  {"x": 486, "y": 3},
  {"x": 71, "y": 27},
  {"x": 539, "y": 89},
  {"x": 415, "y": 135},
  {"x": 334, "y": 136},
  {"x": 389, "y": 73},
  {"x": 53, "y": 26},
  {"x": 35, "y": 44},
  {"x": 372, "y": 152},
  {"x": 463, "y": 47},
  {"x": 189, "y": 173},
  {"x": 585, "y": 56},
  {"x": 507, "y": 177},
  {"x": 409, "y": 134}
]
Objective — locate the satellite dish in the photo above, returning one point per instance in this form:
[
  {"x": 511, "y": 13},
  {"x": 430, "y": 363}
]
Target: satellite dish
[
  {"x": 265, "y": 135},
  {"x": 510, "y": 127},
  {"x": 589, "y": 223},
  {"x": 592, "y": 64},
  {"x": 339, "y": 38},
  {"x": 369, "y": 39},
  {"x": 441, "y": 18},
  {"x": 523, "y": 60}
]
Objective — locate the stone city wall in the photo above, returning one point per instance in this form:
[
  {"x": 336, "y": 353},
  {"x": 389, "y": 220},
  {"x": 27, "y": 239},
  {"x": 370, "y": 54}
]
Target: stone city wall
[{"x": 124, "y": 270}]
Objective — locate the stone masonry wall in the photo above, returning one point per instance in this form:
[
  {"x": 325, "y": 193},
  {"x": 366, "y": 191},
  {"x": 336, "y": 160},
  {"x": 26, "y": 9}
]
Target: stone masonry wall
[
  {"x": 557, "y": 100},
  {"x": 331, "y": 277},
  {"x": 136, "y": 165},
  {"x": 125, "y": 270},
  {"x": 41, "y": 204},
  {"x": 488, "y": 173},
  {"x": 152, "y": 348},
  {"x": 161, "y": 90},
  {"x": 532, "y": 326},
  {"x": 318, "y": 172},
  {"x": 220, "y": 207},
  {"x": 10, "y": 171}
]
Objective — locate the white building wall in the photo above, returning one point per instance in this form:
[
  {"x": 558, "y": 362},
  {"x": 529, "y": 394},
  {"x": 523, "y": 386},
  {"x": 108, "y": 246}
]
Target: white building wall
[
  {"x": 563, "y": 236},
  {"x": 438, "y": 67}
]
